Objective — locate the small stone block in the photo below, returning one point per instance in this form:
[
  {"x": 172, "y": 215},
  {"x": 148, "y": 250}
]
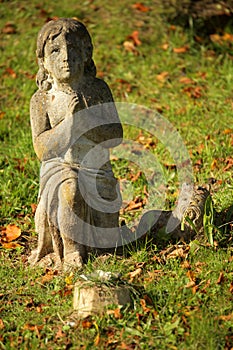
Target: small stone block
[{"x": 94, "y": 298}]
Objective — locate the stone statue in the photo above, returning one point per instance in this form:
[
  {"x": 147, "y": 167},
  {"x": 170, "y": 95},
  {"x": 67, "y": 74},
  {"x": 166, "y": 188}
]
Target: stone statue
[{"x": 74, "y": 123}]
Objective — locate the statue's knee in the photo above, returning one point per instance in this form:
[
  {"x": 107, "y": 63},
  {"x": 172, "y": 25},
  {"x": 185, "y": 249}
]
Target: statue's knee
[{"x": 68, "y": 192}]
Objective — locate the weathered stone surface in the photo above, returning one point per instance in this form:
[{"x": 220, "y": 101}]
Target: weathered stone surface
[
  {"x": 92, "y": 298},
  {"x": 79, "y": 197}
]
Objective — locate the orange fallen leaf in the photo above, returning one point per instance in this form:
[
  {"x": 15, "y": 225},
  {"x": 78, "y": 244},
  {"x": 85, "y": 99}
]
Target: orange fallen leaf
[
  {"x": 165, "y": 46},
  {"x": 86, "y": 324},
  {"x": 227, "y": 131},
  {"x": 178, "y": 253},
  {"x": 144, "y": 307},
  {"x": 134, "y": 37},
  {"x": 116, "y": 312},
  {"x": 214, "y": 164},
  {"x": 225, "y": 317},
  {"x": 1, "y": 324},
  {"x": 130, "y": 47},
  {"x": 32, "y": 327},
  {"x": 231, "y": 288},
  {"x": 140, "y": 7},
  {"x": 186, "y": 80},
  {"x": 11, "y": 245},
  {"x": 135, "y": 273},
  {"x": 229, "y": 162},
  {"x": 2, "y": 114},
  {"x": 11, "y": 72},
  {"x": 10, "y": 233},
  {"x": 220, "y": 278},
  {"x": 9, "y": 28},
  {"x": 182, "y": 49},
  {"x": 162, "y": 76}
]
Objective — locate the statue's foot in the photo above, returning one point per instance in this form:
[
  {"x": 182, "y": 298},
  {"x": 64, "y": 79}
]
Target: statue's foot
[
  {"x": 49, "y": 260},
  {"x": 72, "y": 260},
  {"x": 33, "y": 258}
]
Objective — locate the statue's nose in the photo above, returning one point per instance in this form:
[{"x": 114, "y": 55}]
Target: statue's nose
[{"x": 65, "y": 54}]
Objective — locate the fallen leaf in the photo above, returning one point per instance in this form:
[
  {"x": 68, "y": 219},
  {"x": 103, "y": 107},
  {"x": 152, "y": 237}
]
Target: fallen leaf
[
  {"x": 140, "y": 7},
  {"x": 186, "y": 80},
  {"x": 227, "y": 131},
  {"x": 214, "y": 164},
  {"x": 225, "y": 317},
  {"x": 193, "y": 92},
  {"x": 206, "y": 286},
  {"x": 231, "y": 288},
  {"x": 116, "y": 312},
  {"x": 220, "y": 278},
  {"x": 9, "y": 28},
  {"x": 10, "y": 233},
  {"x": 11, "y": 245},
  {"x": 165, "y": 46},
  {"x": 162, "y": 76},
  {"x": 182, "y": 49},
  {"x": 33, "y": 207},
  {"x": 47, "y": 277},
  {"x": 1, "y": 324},
  {"x": 135, "y": 273},
  {"x": 129, "y": 46},
  {"x": 179, "y": 253},
  {"x": 229, "y": 162},
  {"x": 144, "y": 307},
  {"x": 11, "y": 72},
  {"x": 86, "y": 324},
  {"x": 32, "y": 327},
  {"x": 2, "y": 114},
  {"x": 60, "y": 333},
  {"x": 134, "y": 37}
]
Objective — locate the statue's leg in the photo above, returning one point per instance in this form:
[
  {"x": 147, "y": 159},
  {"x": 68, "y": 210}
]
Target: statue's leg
[
  {"x": 45, "y": 245},
  {"x": 70, "y": 200}
]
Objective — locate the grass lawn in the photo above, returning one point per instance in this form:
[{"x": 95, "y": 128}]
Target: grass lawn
[{"x": 183, "y": 292}]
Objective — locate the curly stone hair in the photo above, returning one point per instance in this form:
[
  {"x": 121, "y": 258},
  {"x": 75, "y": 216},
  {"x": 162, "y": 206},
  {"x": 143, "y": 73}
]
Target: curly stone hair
[{"x": 54, "y": 28}]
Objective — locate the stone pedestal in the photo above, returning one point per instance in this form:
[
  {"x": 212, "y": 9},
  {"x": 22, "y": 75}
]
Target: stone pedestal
[{"x": 93, "y": 298}]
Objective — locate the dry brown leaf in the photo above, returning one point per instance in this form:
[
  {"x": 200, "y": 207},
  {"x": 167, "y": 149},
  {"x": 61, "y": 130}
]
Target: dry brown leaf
[
  {"x": 178, "y": 253},
  {"x": 144, "y": 307},
  {"x": 231, "y": 288},
  {"x": 134, "y": 37},
  {"x": 116, "y": 312},
  {"x": 220, "y": 278},
  {"x": 227, "y": 131},
  {"x": 140, "y": 7},
  {"x": 182, "y": 49},
  {"x": 165, "y": 46},
  {"x": 225, "y": 317},
  {"x": 11, "y": 233},
  {"x": 135, "y": 273},
  {"x": 229, "y": 162},
  {"x": 11, "y": 245},
  {"x": 186, "y": 80},
  {"x": 87, "y": 324},
  {"x": 162, "y": 76},
  {"x": 2, "y": 114},
  {"x": 129, "y": 46},
  {"x": 32, "y": 327},
  {"x": 11, "y": 72},
  {"x": 9, "y": 28},
  {"x": 1, "y": 324}
]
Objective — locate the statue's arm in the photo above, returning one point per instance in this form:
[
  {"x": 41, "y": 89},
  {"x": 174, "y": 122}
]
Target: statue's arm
[
  {"x": 48, "y": 142},
  {"x": 105, "y": 125}
]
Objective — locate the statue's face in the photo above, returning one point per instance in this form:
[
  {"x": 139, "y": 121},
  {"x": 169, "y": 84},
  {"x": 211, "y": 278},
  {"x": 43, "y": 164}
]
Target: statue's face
[{"x": 63, "y": 57}]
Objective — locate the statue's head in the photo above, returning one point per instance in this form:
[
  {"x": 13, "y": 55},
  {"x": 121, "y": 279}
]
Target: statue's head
[{"x": 51, "y": 30}]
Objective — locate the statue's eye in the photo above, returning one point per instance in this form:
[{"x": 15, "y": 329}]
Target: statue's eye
[{"x": 55, "y": 50}]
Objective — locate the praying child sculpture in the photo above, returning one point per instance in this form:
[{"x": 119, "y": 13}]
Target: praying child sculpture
[{"x": 74, "y": 124}]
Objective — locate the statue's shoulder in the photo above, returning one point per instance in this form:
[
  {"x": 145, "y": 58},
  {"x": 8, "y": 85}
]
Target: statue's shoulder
[
  {"x": 39, "y": 97},
  {"x": 101, "y": 90}
]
